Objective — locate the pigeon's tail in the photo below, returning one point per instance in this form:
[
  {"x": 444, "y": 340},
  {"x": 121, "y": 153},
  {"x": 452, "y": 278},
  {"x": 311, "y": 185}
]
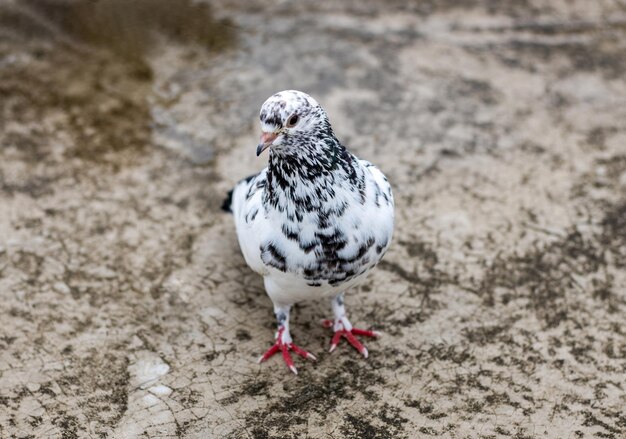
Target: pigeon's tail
[{"x": 227, "y": 205}]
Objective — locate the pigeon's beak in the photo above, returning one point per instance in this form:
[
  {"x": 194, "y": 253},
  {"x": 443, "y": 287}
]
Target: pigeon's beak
[{"x": 266, "y": 141}]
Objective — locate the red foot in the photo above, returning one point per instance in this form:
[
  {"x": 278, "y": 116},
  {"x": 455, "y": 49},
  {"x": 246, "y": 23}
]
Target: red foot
[
  {"x": 285, "y": 348},
  {"x": 350, "y": 336}
]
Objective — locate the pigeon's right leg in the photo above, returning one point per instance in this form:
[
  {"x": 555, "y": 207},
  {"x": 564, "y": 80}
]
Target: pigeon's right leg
[{"x": 284, "y": 343}]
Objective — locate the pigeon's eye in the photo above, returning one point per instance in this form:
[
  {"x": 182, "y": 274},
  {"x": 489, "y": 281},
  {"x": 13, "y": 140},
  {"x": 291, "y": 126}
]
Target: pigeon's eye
[{"x": 293, "y": 120}]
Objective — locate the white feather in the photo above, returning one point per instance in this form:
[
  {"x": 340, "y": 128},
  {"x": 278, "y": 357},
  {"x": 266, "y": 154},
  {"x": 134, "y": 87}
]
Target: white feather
[{"x": 256, "y": 225}]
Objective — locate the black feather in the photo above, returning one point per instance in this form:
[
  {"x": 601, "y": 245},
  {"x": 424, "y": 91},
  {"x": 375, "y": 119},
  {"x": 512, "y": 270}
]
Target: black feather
[
  {"x": 227, "y": 205},
  {"x": 228, "y": 202}
]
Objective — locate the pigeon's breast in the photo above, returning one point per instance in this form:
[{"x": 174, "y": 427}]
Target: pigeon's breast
[{"x": 334, "y": 245}]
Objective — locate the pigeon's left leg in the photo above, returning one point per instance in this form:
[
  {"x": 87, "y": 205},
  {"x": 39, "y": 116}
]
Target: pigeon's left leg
[
  {"x": 343, "y": 328},
  {"x": 284, "y": 343}
]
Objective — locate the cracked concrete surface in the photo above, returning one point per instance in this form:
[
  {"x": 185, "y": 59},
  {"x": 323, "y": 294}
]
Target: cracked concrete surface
[{"x": 128, "y": 311}]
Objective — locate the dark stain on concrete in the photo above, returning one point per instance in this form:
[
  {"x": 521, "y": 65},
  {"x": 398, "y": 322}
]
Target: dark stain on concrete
[{"x": 320, "y": 394}]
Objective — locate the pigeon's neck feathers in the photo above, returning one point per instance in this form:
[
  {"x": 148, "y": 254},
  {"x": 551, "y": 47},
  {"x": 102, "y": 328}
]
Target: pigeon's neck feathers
[
  {"x": 307, "y": 157},
  {"x": 309, "y": 172}
]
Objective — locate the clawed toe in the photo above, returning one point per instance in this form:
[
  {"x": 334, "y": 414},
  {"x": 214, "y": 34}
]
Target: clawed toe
[
  {"x": 350, "y": 336},
  {"x": 284, "y": 348}
]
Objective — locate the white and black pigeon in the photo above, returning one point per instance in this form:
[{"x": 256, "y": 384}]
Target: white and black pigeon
[{"x": 314, "y": 222}]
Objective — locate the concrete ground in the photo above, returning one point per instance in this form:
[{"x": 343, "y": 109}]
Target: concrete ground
[{"x": 126, "y": 309}]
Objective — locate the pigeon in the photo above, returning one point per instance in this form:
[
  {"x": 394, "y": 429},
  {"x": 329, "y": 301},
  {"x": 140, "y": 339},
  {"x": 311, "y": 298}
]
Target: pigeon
[{"x": 314, "y": 222}]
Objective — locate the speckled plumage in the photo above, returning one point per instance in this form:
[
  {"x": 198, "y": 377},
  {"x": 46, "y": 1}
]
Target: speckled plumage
[{"x": 317, "y": 219}]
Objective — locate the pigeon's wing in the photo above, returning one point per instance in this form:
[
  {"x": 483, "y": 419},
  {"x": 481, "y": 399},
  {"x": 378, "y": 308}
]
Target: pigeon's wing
[
  {"x": 250, "y": 220},
  {"x": 380, "y": 205},
  {"x": 380, "y": 183}
]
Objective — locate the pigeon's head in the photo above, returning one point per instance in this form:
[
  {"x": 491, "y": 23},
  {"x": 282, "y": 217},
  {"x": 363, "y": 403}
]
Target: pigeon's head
[{"x": 290, "y": 116}]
